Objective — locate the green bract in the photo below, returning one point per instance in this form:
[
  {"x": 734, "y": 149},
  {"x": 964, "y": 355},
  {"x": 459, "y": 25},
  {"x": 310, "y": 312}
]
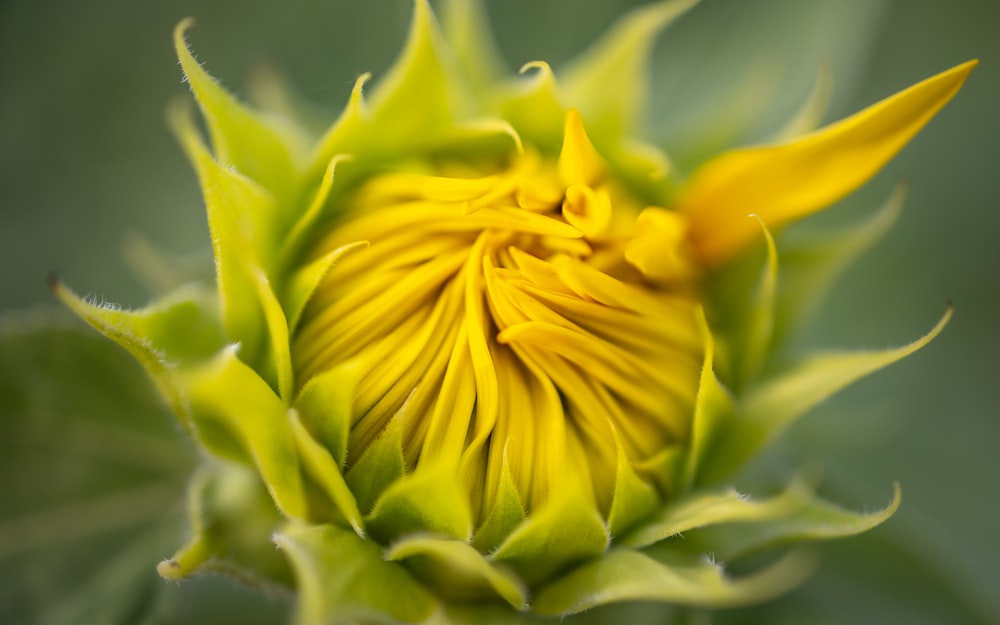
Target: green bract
[{"x": 393, "y": 535}]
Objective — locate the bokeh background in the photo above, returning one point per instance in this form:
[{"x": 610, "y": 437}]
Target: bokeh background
[{"x": 86, "y": 163}]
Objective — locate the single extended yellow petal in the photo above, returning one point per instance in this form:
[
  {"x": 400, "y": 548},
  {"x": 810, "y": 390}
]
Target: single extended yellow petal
[{"x": 782, "y": 183}]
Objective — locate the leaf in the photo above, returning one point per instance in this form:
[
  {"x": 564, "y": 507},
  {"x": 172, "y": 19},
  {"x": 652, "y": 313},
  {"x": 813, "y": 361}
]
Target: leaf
[
  {"x": 344, "y": 579},
  {"x": 782, "y": 183},
  {"x": 92, "y": 473}
]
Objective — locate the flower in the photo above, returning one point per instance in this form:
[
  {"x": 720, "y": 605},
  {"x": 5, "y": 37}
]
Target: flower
[{"x": 479, "y": 348}]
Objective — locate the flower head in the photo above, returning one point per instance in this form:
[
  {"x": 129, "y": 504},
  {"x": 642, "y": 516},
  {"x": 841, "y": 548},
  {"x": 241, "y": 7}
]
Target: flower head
[{"x": 479, "y": 345}]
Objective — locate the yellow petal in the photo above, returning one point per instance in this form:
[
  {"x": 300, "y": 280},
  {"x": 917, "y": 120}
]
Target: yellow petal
[
  {"x": 785, "y": 182},
  {"x": 579, "y": 162}
]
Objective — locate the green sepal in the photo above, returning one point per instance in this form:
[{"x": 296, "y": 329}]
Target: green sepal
[
  {"x": 342, "y": 578},
  {"x": 240, "y": 220},
  {"x": 424, "y": 67},
  {"x": 395, "y": 123},
  {"x": 753, "y": 344},
  {"x": 713, "y": 409},
  {"x": 741, "y": 310},
  {"x": 534, "y": 107},
  {"x": 634, "y": 498},
  {"x": 566, "y": 530},
  {"x": 458, "y": 570},
  {"x": 730, "y": 525},
  {"x": 812, "y": 261},
  {"x": 231, "y": 519},
  {"x": 484, "y": 613},
  {"x": 279, "y": 357},
  {"x": 302, "y": 234},
  {"x": 608, "y": 83},
  {"x": 322, "y": 467},
  {"x": 381, "y": 464},
  {"x": 238, "y": 416},
  {"x": 810, "y": 113},
  {"x": 183, "y": 326},
  {"x": 304, "y": 281},
  {"x": 665, "y": 468},
  {"x": 161, "y": 271},
  {"x": 625, "y": 575},
  {"x": 324, "y": 405},
  {"x": 795, "y": 515},
  {"x": 430, "y": 500},
  {"x": 466, "y": 28},
  {"x": 693, "y": 511},
  {"x": 241, "y": 137},
  {"x": 768, "y": 408},
  {"x": 505, "y": 516}
]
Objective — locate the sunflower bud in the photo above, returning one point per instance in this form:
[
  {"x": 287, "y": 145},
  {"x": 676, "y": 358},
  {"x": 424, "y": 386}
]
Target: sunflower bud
[{"x": 479, "y": 349}]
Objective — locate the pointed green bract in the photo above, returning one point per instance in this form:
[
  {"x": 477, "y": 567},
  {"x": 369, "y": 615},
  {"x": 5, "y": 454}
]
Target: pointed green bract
[
  {"x": 506, "y": 515},
  {"x": 380, "y": 465},
  {"x": 231, "y": 520},
  {"x": 634, "y": 498},
  {"x": 566, "y": 531},
  {"x": 690, "y": 512},
  {"x": 466, "y": 27},
  {"x": 754, "y": 344},
  {"x": 177, "y": 328},
  {"x": 767, "y": 409},
  {"x": 608, "y": 83},
  {"x": 793, "y": 516},
  {"x": 239, "y": 220},
  {"x": 713, "y": 410},
  {"x": 324, "y": 405},
  {"x": 279, "y": 357},
  {"x": 458, "y": 569},
  {"x": 623, "y": 575},
  {"x": 812, "y": 262},
  {"x": 344, "y": 579},
  {"x": 228, "y": 396},
  {"x": 241, "y": 138},
  {"x": 321, "y": 466},
  {"x": 535, "y": 106},
  {"x": 429, "y": 500}
]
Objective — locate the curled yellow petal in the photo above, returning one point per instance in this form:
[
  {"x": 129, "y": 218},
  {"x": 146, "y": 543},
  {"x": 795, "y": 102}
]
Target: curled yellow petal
[{"x": 781, "y": 183}]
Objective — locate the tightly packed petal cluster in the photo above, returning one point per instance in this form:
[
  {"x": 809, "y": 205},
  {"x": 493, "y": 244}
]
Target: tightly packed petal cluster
[{"x": 478, "y": 349}]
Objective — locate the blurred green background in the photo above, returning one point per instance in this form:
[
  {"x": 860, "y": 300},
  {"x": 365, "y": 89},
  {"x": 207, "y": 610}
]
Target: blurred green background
[{"x": 86, "y": 160}]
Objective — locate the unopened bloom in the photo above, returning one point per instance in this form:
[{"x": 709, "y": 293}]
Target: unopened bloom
[{"x": 478, "y": 347}]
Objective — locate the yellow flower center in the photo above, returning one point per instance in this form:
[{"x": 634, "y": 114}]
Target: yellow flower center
[{"x": 507, "y": 319}]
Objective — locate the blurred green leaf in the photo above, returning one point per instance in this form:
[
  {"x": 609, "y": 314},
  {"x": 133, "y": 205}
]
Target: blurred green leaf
[{"x": 92, "y": 471}]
